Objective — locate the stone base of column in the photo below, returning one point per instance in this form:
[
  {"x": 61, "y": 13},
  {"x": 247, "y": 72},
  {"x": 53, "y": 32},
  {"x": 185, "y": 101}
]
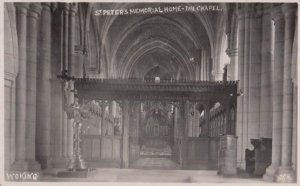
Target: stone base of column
[
  {"x": 125, "y": 165},
  {"x": 218, "y": 76},
  {"x": 26, "y": 165},
  {"x": 285, "y": 175},
  {"x": 60, "y": 163},
  {"x": 46, "y": 163},
  {"x": 241, "y": 165},
  {"x": 270, "y": 174}
]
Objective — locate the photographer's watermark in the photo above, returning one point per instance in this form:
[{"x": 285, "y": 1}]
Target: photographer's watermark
[
  {"x": 22, "y": 176},
  {"x": 158, "y": 10}
]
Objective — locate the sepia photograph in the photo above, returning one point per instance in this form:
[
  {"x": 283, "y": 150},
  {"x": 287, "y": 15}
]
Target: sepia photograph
[{"x": 149, "y": 92}]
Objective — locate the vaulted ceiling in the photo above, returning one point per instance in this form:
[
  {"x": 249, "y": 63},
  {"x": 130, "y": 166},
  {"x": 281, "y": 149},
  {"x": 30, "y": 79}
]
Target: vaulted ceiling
[{"x": 133, "y": 45}]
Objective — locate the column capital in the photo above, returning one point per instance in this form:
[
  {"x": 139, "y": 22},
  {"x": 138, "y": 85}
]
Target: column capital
[
  {"x": 22, "y": 5},
  {"x": 54, "y": 6},
  {"x": 73, "y": 7},
  {"x": 257, "y": 11},
  {"x": 267, "y": 7},
  {"x": 46, "y": 6},
  {"x": 289, "y": 10},
  {"x": 35, "y": 10},
  {"x": 276, "y": 14},
  {"x": 244, "y": 12},
  {"x": 65, "y": 6},
  {"x": 22, "y": 8}
]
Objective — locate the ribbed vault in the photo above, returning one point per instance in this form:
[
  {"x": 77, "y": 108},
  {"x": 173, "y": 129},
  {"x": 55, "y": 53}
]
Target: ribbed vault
[{"x": 173, "y": 39}]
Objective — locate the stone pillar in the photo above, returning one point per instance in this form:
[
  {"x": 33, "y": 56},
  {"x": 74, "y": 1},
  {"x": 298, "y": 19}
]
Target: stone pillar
[
  {"x": 246, "y": 78},
  {"x": 186, "y": 116},
  {"x": 65, "y": 37},
  {"x": 254, "y": 62},
  {"x": 266, "y": 78},
  {"x": 43, "y": 112},
  {"x": 102, "y": 149},
  {"x": 71, "y": 39},
  {"x": 228, "y": 119},
  {"x": 70, "y": 122},
  {"x": 289, "y": 11},
  {"x": 207, "y": 68},
  {"x": 232, "y": 67},
  {"x": 70, "y": 33},
  {"x": 295, "y": 97},
  {"x": 295, "y": 128},
  {"x": 57, "y": 91},
  {"x": 125, "y": 135},
  {"x": 21, "y": 9},
  {"x": 191, "y": 121},
  {"x": 202, "y": 65},
  {"x": 240, "y": 114},
  {"x": 32, "y": 33},
  {"x": 114, "y": 109},
  {"x": 67, "y": 123},
  {"x": 197, "y": 127},
  {"x": 277, "y": 88},
  {"x": 218, "y": 72},
  {"x": 205, "y": 128}
]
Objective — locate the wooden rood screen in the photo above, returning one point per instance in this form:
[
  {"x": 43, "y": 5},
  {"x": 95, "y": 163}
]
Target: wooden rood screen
[
  {"x": 180, "y": 90},
  {"x": 206, "y": 93},
  {"x": 213, "y": 101}
]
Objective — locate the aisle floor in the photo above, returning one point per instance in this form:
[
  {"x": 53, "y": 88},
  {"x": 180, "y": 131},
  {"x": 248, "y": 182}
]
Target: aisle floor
[{"x": 150, "y": 170}]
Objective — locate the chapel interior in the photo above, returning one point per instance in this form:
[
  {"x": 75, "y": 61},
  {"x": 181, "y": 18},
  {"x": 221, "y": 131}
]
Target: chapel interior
[{"x": 211, "y": 90}]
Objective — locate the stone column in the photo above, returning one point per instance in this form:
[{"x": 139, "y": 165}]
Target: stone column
[
  {"x": 196, "y": 123},
  {"x": 125, "y": 135},
  {"x": 67, "y": 123},
  {"x": 234, "y": 63},
  {"x": 255, "y": 48},
  {"x": 187, "y": 116},
  {"x": 233, "y": 66},
  {"x": 289, "y": 11},
  {"x": 295, "y": 101},
  {"x": 70, "y": 122},
  {"x": 266, "y": 78},
  {"x": 246, "y": 78},
  {"x": 21, "y": 9},
  {"x": 71, "y": 39},
  {"x": 32, "y": 33},
  {"x": 102, "y": 149},
  {"x": 295, "y": 128},
  {"x": 175, "y": 149},
  {"x": 70, "y": 33},
  {"x": 277, "y": 88},
  {"x": 204, "y": 65},
  {"x": 205, "y": 128},
  {"x": 240, "y": 99},
  {"x": 65, "y": 37},
  {"x": 114, "y": 109},
  {"x": 207, "y": 67},
  {"x": 191, "y": 121},
  {"x": 43, "y": 112},
  {"x": 228, "y": 118},
  {"x": 198, "y": 63}
]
